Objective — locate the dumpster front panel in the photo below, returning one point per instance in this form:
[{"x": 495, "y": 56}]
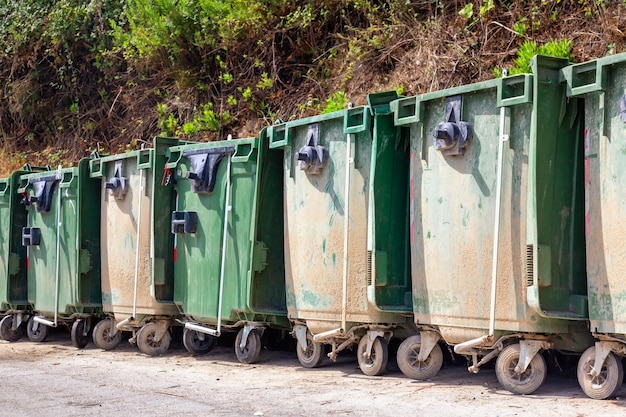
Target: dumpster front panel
[
  {"x": 13, "y": 280},
  {"x": 54, "y": 284},
  {"x": 6, "y": 217},
  {"x": 315, "y": 202},
  {"x": 246, "y": 289},
  {"x": 453, "y": 203},
  {"x": 605, "y": 174},
  {"x": 126, "y": 210},
  {"x": 199, "y": 253}
]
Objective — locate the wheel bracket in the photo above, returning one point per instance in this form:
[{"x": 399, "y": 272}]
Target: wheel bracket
[
  {"x": 528, "y": 350},
  {"x": 18, "y": 319},
  {"x": 602, "y": 351},
  {"x": 428, "y": 340},
  {"x": 161, "y": 329},
  {"x": 113, "y": 326},
  {"x": 300, "y": 332},
  {"x": 371, "y": 338},
  {"x": 246, "y": 332}
]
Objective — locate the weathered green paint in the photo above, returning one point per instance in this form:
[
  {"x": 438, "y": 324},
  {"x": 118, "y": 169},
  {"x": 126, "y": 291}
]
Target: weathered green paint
[
  {"x": 254, "y": 284},
  {"x": 79, "y": 243},
  {"x": 601, "y": 85},
  {"x": 143, "y": 171},
  {"x": 453, "y": 200},
  {"x": 13, "y": 278},
  {"x": 315, "y": 216}
]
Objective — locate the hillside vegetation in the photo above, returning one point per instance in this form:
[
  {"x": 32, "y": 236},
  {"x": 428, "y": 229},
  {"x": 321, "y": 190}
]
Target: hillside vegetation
[{"x": 109, "y": 75}]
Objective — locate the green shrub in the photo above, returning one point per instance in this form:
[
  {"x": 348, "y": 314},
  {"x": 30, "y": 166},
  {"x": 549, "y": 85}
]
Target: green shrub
[{"x": 557, "y": 48}]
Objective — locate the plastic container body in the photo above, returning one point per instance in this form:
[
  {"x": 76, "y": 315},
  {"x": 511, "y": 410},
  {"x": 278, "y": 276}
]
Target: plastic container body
[
  {"x": 228, "y": 192},
  {"x": 599, "y": 86},
  {"x": 496, "y": 174},
  {"x": 13, "y": 279},
  {"x": 137, "y": 248},
  {"x": 346, "y": 223},
  {"x": 64, "y": 260}
]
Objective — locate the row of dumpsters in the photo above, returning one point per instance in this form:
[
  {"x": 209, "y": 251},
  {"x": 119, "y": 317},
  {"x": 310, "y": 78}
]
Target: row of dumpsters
[{"x": 488, "y": 219}]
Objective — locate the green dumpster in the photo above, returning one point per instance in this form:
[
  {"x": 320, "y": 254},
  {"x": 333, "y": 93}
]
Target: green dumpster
[
  {"x": 346, "y": 236},
  {"x": 13, "y": 279},
  {"x": 62, "y": 241},
  {"x": 228, "y": 226},
  {"x": 137, "y": 250},
  {"x": 601, "y": 84},
  {"x": 497, "y": 228}
]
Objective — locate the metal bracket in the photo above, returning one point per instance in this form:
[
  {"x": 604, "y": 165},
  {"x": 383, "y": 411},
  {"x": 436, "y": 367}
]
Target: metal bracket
[
  {"x": 300, "y": 332},
  {"x": 161, "y": 329},
  {"x": 34, "y": 324},
  {"x": 452, "y": 136},
  {"x": 113, "y": 327},
  {"x": 117, "y": 184},
  {"x": 371, "y": 337},
  {"x": 312, "y": 157},
  {"x": 204, "y": 165},
  {"x": 44, "y": 189},
  {"x": 528, "y": 350},
  {"x": 87, "y": 326},
  {"x": 18, "y": 319},
  {"x": 336, "y": 349},
  {"x": 428, "y": 340},
  {"x": 184, "y": 222},
  {"x": 602, "y": 351},
  {"x": 246, "y": 332},
  {"x": 31, "y": 236}
]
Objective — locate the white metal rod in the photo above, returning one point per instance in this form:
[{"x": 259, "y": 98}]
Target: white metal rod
[
  {"x": 227, "y": 209},
  {"x": 58, "y": 273},
  {"x": 42, "y": 320},
  {"x": 502, "y": 137},
  {"x": 137, "y": 242},
  {"x": 176, "y": 234},
  {"x": 121, "y": 324},
  {"x": 346, "y": 229},
  {"x": 325, "y": 335},
  {"x": 201, "y": 329}
]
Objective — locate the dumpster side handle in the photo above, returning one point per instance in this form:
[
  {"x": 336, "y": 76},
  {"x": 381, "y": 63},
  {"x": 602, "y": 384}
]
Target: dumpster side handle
[
  {"x": 58, "y": 248},
  {"x": 137, "y": 243},
  {"x": 466, "y": 347},
  {"x": 346, "y": 230},
  {"x": 227, "y": 209}
]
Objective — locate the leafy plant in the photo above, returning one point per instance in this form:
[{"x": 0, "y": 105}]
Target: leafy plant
[
  {"x": 467, "y": 11},
  {"x": 527, "y": 50},
  {"x": 336, "y": 101}
]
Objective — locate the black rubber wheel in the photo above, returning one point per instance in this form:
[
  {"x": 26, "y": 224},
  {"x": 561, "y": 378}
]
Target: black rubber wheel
[
  {"x": 38, "y": 335},
  {"x": 313, "y": 355},
  {"x": 102, "y": 336},
  {"x": 409, "y": 365},
  {"x": 376, "y": 364},
  {"x": 250, "y": 353},
  {"x": 146, "y": 342},
  {"x": 526, "y": 382},
  {"x": 198, "y": 343},
  {"x": 80, "y": 338},
  {"x": 607, "y": 383},
  {"x": 6, "y": 330}
]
